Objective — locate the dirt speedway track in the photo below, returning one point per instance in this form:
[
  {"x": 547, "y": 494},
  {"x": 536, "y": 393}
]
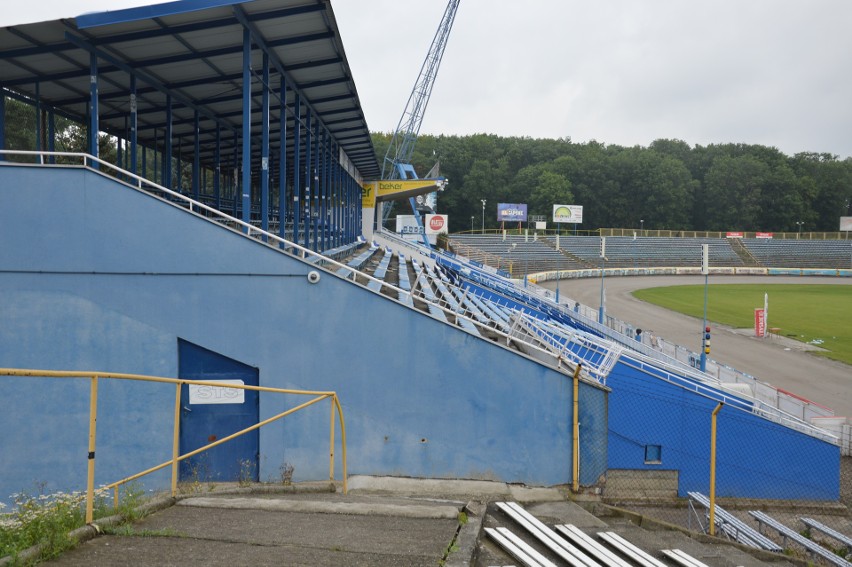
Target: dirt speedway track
[{"x": 780, "y": 362}]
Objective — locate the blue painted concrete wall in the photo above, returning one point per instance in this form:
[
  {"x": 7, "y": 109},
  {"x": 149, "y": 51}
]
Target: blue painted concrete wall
[
  {"x": 755, "y": 458},
  {"x": 94, "y": 275}
]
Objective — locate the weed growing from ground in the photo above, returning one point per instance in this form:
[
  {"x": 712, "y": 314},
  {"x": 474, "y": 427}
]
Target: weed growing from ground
[{"x": 47, "y": 519}]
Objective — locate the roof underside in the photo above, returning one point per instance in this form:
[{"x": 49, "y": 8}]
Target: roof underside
[{"x": 192, "y": 51}]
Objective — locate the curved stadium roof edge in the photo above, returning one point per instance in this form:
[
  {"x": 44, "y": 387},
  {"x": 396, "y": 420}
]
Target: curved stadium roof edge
[{"x": 190, "y": 53}]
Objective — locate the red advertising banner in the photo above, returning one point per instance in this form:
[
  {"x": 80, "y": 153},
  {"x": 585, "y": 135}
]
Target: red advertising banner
[
  {"x": 734, "y": 235},
  {"x": 763, "y": 235},
  {"x": 759, "y": 323}
]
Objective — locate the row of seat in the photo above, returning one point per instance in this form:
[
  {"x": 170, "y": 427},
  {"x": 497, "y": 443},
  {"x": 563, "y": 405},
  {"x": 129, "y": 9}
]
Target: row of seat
[{"x": 577, "y": 252}]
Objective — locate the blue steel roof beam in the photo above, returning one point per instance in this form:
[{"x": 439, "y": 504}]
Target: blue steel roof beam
[
  {"x": 191, "y": 49},
  {"x": 154, "y": 62},
  {"x": 199, "y": 26},
  {"x": 276, "y": 62},
  {"x": 29, "y": 69},
  {"x": 149, "y": 90},
  {"x": 144, "y": 76},
  {"x": 227, "y": 50},
  {"x": 225, "y": 115}
]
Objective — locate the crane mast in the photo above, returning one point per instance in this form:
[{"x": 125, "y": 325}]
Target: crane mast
[{"x": 397, "y": 161}]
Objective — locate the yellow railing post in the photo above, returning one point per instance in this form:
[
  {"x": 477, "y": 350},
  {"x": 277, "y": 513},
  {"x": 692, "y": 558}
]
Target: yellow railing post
[
  {"x": 90, "y": 476},
  {"x": 342, "y": 444},
  {"x": 713, "y": 468},
  {"x": 331, "y": 443},
  {"x": 575, "y": 449},
  {"x": 176, "y": 440}
]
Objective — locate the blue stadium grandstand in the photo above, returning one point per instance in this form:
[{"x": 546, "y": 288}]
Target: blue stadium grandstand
[{"x": 445, "y": 367}]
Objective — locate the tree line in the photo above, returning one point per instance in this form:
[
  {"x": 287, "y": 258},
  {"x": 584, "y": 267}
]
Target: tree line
[{"x": 668, "y": 184}]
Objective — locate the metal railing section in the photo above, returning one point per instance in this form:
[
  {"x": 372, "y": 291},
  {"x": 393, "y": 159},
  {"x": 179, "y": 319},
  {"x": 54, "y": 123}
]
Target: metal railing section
[
  {"x": 234, "y": 224},
  {"x": 599, "y": 356},
  {"x": 712, "y": 390},
  {"x": 94, "y": 377}
]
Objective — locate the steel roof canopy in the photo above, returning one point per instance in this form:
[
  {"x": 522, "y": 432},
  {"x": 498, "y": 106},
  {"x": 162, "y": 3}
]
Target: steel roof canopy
[{"x": 192, "y": 51}]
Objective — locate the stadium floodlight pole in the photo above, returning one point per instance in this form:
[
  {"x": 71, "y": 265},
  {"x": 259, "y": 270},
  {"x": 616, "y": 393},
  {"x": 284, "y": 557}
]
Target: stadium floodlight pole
[
  {"x": 602, "y": 310},
  {"x": 705, "y": 269},
  {"x": 483, "y": 216}
]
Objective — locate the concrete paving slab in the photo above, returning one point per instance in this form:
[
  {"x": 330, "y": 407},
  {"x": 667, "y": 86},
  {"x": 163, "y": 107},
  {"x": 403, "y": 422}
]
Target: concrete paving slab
[
  {"x": 427, "y": 487},
  {"x": 565, "y": 513},
  {"x": 265, "y": 531},
  {"x": 528, "y": 494},
  {"x": 410, "y": 510}
]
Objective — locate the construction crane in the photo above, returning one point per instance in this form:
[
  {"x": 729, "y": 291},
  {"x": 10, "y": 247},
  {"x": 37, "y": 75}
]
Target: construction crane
[{"x": 397, "y": 162}]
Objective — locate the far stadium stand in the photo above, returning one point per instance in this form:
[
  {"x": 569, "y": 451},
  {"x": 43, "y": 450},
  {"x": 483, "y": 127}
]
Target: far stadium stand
[
  {"x": 778, "y": 253},
  {"x": 535, "y": 253}
]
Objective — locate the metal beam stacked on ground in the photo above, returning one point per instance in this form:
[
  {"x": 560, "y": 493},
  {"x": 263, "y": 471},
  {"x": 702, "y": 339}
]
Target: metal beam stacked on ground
[
  {"x": 517, "y": 548},
  {"x": 630, "y": 550},
  {"x": 813, "y": 547},
  {"x": 590, "y": 546},
  {"x": 547, "y": 536},
  {"x": 842, "y": 538},
  {"x": 751, "y": 537},
  {"x": 683, "y": 558}
]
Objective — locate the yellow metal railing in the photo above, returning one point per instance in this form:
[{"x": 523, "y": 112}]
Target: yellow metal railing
[{"x": 176, "y": 456}]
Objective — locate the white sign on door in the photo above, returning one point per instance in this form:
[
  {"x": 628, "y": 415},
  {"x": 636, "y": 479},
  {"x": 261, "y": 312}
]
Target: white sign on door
[{"x": 216, "y": 395}]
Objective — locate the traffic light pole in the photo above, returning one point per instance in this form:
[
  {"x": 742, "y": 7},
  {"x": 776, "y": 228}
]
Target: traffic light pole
[{"x": 705, "y": 335}]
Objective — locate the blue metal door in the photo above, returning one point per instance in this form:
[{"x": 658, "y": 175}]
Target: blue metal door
[{"x": 209, "y": 414}]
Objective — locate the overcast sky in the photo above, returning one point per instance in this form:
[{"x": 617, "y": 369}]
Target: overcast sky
[{"x": 772, "y": 72}]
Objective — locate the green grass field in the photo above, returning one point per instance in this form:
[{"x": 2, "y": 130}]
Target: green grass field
[{"x": 808, "y": 313}]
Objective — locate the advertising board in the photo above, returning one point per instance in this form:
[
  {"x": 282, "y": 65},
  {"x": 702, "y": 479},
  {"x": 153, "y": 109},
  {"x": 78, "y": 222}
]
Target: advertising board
[
  {"x": 568, "y": 213},
  {"x": 511, "y": 212}
]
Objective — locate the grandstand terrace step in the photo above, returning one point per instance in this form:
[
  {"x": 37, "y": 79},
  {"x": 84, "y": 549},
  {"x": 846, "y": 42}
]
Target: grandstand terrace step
[{"x": 744, "y": 254}]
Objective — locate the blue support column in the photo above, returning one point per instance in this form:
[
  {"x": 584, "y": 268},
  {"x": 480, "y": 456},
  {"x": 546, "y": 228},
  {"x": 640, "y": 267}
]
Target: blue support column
[
  {"x": 282, "y": 164},
  {"x": 326, "y": 185},
  {"x": 94, "y": 124},
  {"x": 51, "y": 133},
  {"x": 308, "y": 163},
  {"x": 264, "y": 150},
  {"x": 217, "y": 169},
  {"x": 316, "y": 216},
  {"x": 232, "y": 186},
  {"x": 134, "y": 128},
  {"x": 196, "y": 158},
  {"x": 246, "y": 161},
  {"x": 2, "y": 124},
  {"x": 167, "y": 146},
  {"x": 155, "y": 159},
  {"x": 38, "y": 117},
  {"x": 179, "y": 176},
  {"x": 297, "y": 182}
]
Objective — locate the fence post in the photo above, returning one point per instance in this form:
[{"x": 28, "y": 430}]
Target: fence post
[
  {"x": 176, "y": 440},
  {"x": 713, "y": 468},
  {"x": 90, "y": 476},
  {"x": 331, "y": 443},
  {"x": 575, "y": 449}
]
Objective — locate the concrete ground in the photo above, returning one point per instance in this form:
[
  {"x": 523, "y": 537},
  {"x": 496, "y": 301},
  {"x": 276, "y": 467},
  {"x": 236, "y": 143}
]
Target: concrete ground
[
  {"x": 777, "y": 362},
  {"x": 380, "y": 522}
]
